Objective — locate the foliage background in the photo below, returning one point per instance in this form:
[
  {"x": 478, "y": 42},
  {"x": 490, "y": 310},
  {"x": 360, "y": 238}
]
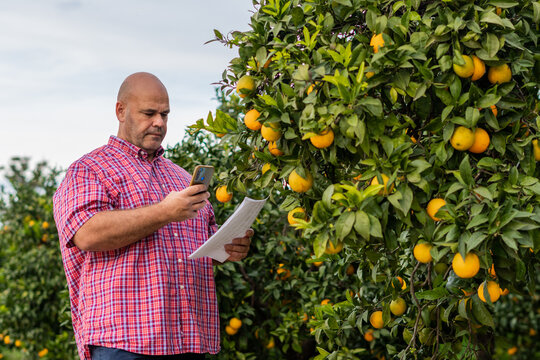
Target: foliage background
[{"x": 493, "y": 199}]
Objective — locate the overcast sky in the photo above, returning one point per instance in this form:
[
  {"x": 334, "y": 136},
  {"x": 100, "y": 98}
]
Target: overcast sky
[{"x": 62, "y": 61}]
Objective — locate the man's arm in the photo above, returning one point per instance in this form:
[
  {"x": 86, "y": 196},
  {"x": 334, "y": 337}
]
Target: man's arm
[{"x": 109, "y": 230}]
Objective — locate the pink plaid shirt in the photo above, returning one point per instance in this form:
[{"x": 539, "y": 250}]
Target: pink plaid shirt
[{"x": 148, "y": 297}]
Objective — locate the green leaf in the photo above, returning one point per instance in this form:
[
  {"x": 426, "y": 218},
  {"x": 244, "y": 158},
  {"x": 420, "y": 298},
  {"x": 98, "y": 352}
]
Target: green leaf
[
  {"x": 491, "y": 44},
  {"x": 375, "y": 226},
  {"x": 487, "y": 100},
  {"x": 484, "y": 192},
  {"x": 536, "y": 12},
  {"x": 492, "y": 18},
  {"x": 372, "y": 105},
  {"x": 481, "y": 313},
  {"x": 477, "y": 220},
  {"x": 434, "y": 294},
  {"x": 289, "y": 203},
  {"x": 344, "y": 224},
  {"x": 475, "y": 239},
  {"x": 319, "y": 245},
  {"x": 465, "y": 171},
  {"x": 361, "y": 224}
]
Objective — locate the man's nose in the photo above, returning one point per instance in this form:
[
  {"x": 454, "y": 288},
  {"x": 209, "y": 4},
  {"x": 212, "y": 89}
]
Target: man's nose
[{"x": 159, "y": 121}]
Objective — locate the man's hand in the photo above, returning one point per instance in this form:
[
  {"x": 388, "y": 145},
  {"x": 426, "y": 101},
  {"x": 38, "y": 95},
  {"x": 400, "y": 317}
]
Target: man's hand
[
  {"x": 239, "y": 247},
  {"x": 185, "y": 204}
]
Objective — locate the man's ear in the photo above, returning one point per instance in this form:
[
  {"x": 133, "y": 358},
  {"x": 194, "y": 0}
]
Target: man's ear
[{"x": 120, "y": 111}]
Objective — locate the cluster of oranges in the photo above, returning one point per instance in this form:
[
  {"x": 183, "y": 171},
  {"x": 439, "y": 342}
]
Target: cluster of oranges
[
  {"x": 234, "y": 325},
  {"x": 6, "y": 339}
]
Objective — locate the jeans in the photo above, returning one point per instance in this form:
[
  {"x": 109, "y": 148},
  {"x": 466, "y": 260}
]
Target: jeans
[{"x": 103, "y": 353}]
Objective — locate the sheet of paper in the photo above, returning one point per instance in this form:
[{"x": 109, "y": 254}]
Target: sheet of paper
[{"x": 235, "y": 226}]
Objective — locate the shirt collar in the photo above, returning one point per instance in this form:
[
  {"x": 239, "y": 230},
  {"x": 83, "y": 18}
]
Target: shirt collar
[{"x": 130, "y": 149}]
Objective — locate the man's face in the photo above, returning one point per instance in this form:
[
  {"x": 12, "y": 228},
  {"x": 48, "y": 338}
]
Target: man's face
[{"x": 143, "y": 116}]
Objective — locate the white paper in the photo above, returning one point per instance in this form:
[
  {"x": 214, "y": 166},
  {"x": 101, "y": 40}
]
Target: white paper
[{"x": 235, "y": 227}]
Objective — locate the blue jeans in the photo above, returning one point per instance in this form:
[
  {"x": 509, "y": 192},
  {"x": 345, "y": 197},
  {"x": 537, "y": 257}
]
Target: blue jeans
[{"x": 103, "y": 353}]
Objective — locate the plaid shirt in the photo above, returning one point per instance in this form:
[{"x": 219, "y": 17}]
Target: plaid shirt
[{"x": 147, "y": 297}]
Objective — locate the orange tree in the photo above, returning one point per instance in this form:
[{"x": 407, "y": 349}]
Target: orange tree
[
  {"x": 368, "y": 111},
  {"x": 277, "y": 287},
  {"x": 34, "y": 302}
]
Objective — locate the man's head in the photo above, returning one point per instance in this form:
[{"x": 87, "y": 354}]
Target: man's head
[{"x": 142, "y": 108}]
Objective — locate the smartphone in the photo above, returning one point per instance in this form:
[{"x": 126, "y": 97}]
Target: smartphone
[{"x": 202, "y": 175}]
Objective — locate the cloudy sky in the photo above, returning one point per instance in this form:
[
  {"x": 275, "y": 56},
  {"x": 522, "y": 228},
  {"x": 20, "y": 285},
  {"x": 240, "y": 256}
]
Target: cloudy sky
[{"x": 62, "y": 61}]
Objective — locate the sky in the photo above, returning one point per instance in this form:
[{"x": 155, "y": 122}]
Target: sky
[{"x": 62, "y": 61}]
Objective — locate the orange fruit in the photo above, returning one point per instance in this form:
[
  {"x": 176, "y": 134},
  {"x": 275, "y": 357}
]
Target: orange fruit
[
  {"x": 494, "y": 110},
  {"x": 468, "y": 267},
  {"x": 282, "y": 272},
  {"x": 331, "y": 249},
  {"x": 43, "y": 352},
  {"x": 222, "y": 195},
  {"x": 245, "y": 85},
  {"x": 323, "y": 140},
  {"x": 512, "y": 350},
  {"x": 401, "y": 282},
  {"x": 479, "y": 68},
  {"x": 251, "y": 119},
  {"x": 492, "y": 288},
  {"x": 481, "y": 141},
  {"x": 274, "y": 150},
  {"x": 385, "y": 190},
  {"x": 376, "y": 320},
  {"x": 433, "y": 207},
  {"x": 310, "y": 89},
  {"x": 350, "y": 270},
  {"x": 422, "y": 253},
  {"x": 265, "y": 168},
  {"x": 462, "y": 138},
  {"x": 292, "y": 219},
  {"x": 271, "y": 344},
  {"x": 377, "y": 41},
  {"x": 536, "y": 150},
  {"x": 499, "y": 74},
  {"x": 325, "y": 301},
  {"x": 398, "y": 306},
  {"x": 235, "y": 323},
  {"x": 220, "y": 135},
  {"x": 505, "y": 292},
  {"x": 368, "y": 336},
  {"x": 271, "y": 132},
  {"x": 370, "y": 74},
  {"x": 492, "y": 272},
  {"x": 466, "y": 70},
  {"x": 230, "y": 331},
  {"x": 299, "y": 184}
]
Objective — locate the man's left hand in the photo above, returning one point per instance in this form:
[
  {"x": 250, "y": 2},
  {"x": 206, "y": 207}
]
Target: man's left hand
[{"x": 239, "y": 247}]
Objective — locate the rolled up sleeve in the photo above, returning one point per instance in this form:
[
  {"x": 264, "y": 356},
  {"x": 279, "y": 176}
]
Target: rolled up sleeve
[{"x": 79, "y": 197}]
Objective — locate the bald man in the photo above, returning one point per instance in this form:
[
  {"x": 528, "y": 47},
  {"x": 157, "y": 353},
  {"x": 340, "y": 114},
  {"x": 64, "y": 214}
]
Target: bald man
[{"x": 127, "y": 221}]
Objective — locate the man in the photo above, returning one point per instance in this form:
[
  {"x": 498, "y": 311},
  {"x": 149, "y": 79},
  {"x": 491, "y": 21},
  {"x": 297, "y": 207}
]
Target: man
[{"x": 128, "y": 220}]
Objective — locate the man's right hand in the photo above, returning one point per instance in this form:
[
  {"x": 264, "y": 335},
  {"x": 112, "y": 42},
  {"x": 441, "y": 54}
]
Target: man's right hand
[{"x": 185, "y": 204}]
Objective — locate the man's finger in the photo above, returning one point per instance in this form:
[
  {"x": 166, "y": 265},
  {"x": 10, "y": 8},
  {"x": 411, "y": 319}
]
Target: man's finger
[{"x": 195, "y": 189}]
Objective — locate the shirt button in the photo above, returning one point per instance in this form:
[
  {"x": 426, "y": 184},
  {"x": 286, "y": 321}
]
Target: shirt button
[
  {"x": 175, "y": 234},
  {"x": 179, "y": 260},
  {"x": 181, "y": 287}
]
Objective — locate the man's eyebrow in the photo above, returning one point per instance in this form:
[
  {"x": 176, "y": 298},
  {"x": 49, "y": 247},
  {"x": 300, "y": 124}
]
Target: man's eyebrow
[{"x": 154, "y": 111}]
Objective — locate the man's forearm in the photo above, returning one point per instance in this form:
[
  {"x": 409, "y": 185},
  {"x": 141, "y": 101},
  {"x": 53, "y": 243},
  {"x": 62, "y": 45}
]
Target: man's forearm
[{"x": 109, "y": 230}]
